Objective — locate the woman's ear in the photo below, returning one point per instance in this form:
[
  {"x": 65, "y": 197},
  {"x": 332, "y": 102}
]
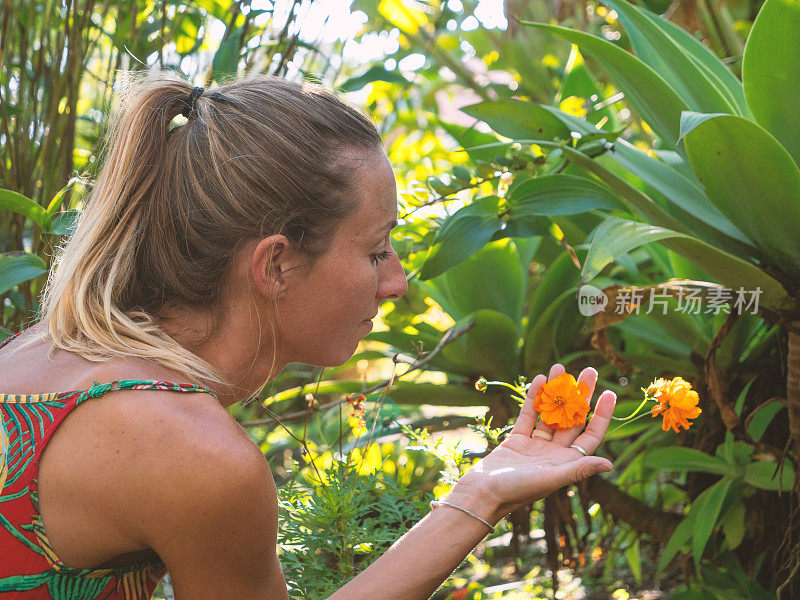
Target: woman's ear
[{"x": 271, "y": 259}]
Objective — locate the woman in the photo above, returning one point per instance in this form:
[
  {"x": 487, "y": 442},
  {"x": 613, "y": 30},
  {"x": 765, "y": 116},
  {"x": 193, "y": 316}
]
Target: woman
[{"x": 215, "y": 251}]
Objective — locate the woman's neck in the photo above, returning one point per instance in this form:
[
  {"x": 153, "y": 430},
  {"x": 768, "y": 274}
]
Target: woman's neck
[{"x": 234, "y": 343}]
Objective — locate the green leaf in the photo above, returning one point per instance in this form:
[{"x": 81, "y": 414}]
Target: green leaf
[
  {"x": 64, "y": 223},
  {"x": 374, "y": 73},
  {"x": 753, "y": 181},
  {"x": 733, "y": 525},
  {"x": 743, "y": 396},
  {"x": 463, "y": 234},
  {"x": 708, "y": 510},
  {"x": 687, "y": 194},
  {"x": 726, "y": 268},
  {"x": 16, "y": 202},
  {"x": 615, "y": 237},
  {"x": 763, "y": 475},
  {"x": 645, "y": 90},
  {"x": 489, "y": 348},
  {"x": 679, "y": 538},
  {"x": 651, "y": 40},
  {"x": 18, "y": 268},
  {"x": 678, "y": 458},
  {"x": 226, "y": 58},
  {"x": 559, "y": 194},
  {"x": 690, "y": 120},
  {"x": 762, "y": 417},
  {"x": 770, "y": 72},
  {"x": 469, "y": 138},
  {"x": 494, "y": 278},
  {"x": 634, "y": 560},
  {"x": 517, "y": 119}
]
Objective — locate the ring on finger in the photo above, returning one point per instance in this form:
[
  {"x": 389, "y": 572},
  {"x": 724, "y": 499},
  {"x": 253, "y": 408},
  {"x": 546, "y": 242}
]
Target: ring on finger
[
  {"x": 543, "y": 434},
  {"x": 579, "y": 449}
]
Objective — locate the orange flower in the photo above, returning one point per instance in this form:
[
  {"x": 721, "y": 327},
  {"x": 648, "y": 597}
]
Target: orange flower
[
  {"x": 677, "y": 402},
  {"x": 563, "y": 402}
]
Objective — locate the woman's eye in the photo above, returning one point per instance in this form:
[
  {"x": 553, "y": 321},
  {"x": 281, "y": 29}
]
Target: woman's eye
[{"x": 381, "y": 256}]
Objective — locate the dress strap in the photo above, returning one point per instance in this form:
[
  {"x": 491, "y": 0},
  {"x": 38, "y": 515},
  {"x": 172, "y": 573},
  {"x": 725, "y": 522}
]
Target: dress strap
[
  {"x": 98, "y": 389},
  {"x": 8, "y": 339}
]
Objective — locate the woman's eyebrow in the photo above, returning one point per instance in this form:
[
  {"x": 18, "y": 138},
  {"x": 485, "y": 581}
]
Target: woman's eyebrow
[{"x": 389, "y": 226}]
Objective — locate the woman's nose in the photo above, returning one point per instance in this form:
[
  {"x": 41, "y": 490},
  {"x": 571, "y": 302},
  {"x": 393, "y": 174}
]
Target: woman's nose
[{"x": 395, "y": 284}]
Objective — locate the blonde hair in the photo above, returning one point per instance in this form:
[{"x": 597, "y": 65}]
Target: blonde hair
[{"x": 173, "y": 205}]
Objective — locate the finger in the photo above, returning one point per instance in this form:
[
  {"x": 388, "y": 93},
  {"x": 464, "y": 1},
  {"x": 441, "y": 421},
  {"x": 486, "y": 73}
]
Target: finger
[
  {"x": 591, "y": 439},
  {"x": 556, "y": 370},
  {"x": 527, "y": 415},
  {"x": 542, "y": 429},
  {"x": 567, "y": 436},
  {"x": 580, "y": 469}
]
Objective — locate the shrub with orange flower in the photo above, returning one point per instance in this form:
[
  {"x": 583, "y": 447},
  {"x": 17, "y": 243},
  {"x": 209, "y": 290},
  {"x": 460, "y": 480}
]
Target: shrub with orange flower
[
  {"x": 563, "y": 402},
  {"x": 675, "y": 400}
]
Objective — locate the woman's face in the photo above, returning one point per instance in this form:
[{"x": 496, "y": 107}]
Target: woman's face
[{"x": 328, "y": 306}]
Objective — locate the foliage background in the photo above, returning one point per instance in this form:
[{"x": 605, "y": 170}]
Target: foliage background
[{"x": 506, "y": 299}]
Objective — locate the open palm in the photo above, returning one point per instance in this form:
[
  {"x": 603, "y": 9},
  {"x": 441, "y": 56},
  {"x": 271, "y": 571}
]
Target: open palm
[{"x": 534, "y": 460}]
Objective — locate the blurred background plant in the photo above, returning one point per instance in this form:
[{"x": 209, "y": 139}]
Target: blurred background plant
[{"x": 538, "y": 147}]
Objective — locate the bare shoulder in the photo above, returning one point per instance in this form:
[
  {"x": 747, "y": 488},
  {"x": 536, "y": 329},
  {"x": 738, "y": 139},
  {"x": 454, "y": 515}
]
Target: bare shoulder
[{"x": 194, "y": 488}]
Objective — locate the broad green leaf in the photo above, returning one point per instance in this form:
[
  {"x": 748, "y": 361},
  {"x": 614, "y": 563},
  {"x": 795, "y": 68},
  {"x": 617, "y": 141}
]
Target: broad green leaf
[
  {"x": 226, "y": 58},
  {"x": 559, "y": 194},
  {"x": 762, "y": 417},
  {"x": 517, "y": 119},
  {"x": 464, "y": 233},
  {"x": 678, "y": 458},
  {"x": 561, "y": 275},
  {"x": 685, "y": 193},
  {"x": 690, "y": 120},
  {"x": 729, "y": 270},
  {"x": 493, "y": 278},
  {"x": 470, "y": 138},
  {"x": 733, "y": 524},
  {"x": 574, "y": 123},
  {"x": 18, "y": 268},
  {"x": 654, "y": 46},
  {"x": 490, "y": 347},
  {"x": 753, "y": 181},
  {"x": 16, "y": 202},
  {"x": 707, "y": 514},
  {"x": 614, "y": 238},
  {"x": 770, "y": 72},
  {"x": 679, "y": 538},
  {"x": 717, "y": 70},
  {"x": 763, "y": 475},
  {"x": 645, "y": 90},
  {"x": 374, "y": 73}
]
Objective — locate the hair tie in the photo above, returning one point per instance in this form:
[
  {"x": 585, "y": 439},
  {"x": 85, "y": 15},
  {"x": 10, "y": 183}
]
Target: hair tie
[{"x": 189, "y": 105}]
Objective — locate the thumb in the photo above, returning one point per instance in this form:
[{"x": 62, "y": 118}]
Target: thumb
[{"x": 583, "y": 468}]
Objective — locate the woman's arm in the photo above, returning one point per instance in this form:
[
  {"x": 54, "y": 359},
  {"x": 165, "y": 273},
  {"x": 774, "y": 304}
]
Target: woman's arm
[{"x": 521, "y": 470}]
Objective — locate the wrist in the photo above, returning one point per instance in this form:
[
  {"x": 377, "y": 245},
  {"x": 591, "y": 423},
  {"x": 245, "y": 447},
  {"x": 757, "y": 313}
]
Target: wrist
[{"x": 476, "y": 503}]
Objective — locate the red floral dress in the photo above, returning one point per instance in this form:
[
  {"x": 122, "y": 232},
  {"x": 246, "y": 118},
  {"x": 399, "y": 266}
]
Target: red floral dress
[{"x": 29, "y": 569}]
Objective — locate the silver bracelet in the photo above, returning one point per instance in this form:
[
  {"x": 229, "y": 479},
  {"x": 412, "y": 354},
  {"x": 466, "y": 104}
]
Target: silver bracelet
[{"x": 435, "y": 503}]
